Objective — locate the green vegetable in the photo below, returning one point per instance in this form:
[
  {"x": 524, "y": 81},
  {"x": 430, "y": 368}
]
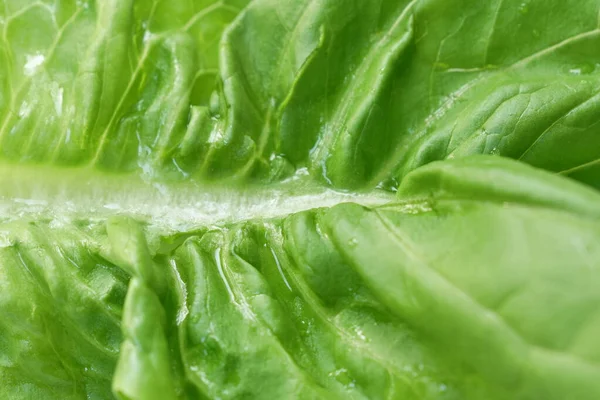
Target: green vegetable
[{"x": 294, "y": 199}]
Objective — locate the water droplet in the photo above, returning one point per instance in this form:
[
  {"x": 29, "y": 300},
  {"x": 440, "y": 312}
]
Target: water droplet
[
  {"x": 24, "y": 110},
  {"x": 32, "y": 63},
  {"x": 147, "y": 36},
  {"x": 56, "y": 92},
  {"x": 581, "y": 69},
  {"x": 360, "y": 333},
  {"x": 523, "y": 9},
  {"x": 352, "y": 242},
  {"x": 416, "y": 208},
  {"x": 5, "y": 240},
  {"x": 341, "y": 375}
]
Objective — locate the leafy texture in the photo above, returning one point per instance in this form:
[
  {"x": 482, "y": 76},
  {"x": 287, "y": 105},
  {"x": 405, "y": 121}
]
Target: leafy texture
[
  {"x": 61, "y": 307},
  {"x": 360, "y": 93},
  {"x": 108, "y": 83},
  {"x": 346, "y": 302},
  {"x": 308, "y": 199}
]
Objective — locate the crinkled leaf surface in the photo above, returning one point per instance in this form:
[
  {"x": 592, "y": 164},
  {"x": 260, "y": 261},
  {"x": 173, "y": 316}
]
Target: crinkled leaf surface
[{"x": 279, "y": 199}]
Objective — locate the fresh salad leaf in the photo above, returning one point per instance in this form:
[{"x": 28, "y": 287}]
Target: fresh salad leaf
[{"x": 307, "y": 199}]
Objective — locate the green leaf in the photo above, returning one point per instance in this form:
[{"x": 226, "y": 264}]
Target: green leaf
[
  {"x": 441, "y": 294},
  {"x": 363, "y": 93},
  {"x": 358, "y": 93},
  {"x": 308, "y": 93},
  {"x": 308, "y": 199},
  {"x": 109, "y": 83},
  {"x": 491, "y": 78},
  {"x": 61, "y": 304},
  {"x": 481, "y": 295}
]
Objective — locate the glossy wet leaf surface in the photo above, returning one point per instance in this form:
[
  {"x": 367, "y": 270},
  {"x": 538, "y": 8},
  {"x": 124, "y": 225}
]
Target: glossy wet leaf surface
[{"x": 302, "y": 199}]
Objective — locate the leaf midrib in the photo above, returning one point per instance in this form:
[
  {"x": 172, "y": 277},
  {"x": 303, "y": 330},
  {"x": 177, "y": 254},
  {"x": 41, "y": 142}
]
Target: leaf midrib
[{"x": 67, "y": 194}]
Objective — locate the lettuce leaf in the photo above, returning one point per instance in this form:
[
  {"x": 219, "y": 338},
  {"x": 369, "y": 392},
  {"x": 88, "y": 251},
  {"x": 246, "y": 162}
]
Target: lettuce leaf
[{"x": 299, "y": 199}]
